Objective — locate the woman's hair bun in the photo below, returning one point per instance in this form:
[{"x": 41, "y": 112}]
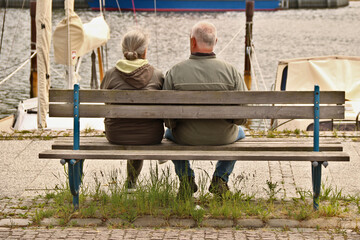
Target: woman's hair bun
[{"x": 131, "y": 55}]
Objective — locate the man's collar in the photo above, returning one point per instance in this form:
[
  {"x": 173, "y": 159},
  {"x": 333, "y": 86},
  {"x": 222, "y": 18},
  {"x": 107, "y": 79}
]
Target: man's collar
[{"x": 203, "y": 54}]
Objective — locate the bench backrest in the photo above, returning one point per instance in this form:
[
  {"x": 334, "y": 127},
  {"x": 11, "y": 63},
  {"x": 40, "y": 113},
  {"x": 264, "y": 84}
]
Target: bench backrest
[{"x": 197, "y": 104}]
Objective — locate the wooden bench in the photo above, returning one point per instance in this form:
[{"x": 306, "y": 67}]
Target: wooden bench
[{"x": 197, "y": 105}]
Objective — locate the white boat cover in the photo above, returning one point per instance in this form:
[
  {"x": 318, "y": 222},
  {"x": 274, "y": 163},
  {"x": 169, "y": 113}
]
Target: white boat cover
[
  {"x": 340, "y": 73},
  {"x": 43, "y": 39},
  {"x": 84, "y": 37}
]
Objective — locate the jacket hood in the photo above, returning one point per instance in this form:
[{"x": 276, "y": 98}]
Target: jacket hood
[{"x": 136, "y": 73}]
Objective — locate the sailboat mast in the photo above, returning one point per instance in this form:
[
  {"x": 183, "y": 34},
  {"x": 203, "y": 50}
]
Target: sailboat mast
[
  {"x": 248, "y": 38},
  {"x": 33, "y": 63}
]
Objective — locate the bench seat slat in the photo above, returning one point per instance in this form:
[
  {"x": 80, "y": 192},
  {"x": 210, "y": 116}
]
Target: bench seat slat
[
  {"x": 196, "y": 155},
  {"x": 197, "y": 97},
  {"x": 197, "y": 112},
  {"x": 166, "y": 145},
  {"x": 86, "y": 139}
]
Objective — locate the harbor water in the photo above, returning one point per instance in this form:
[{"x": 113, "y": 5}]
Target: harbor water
[{"x": 277, "y": 35}]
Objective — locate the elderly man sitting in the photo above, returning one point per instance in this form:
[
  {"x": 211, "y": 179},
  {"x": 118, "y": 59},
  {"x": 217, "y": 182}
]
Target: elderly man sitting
[{"x": 203, "y": 71}]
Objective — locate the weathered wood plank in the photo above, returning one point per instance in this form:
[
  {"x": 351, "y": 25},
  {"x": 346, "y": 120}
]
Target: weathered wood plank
[
  {"x": 238, "y": 146},
  {"x": 197, "y": 97},
  {"x": 100, "y": 140},
  {"x": 197, "y": 155},
  {"x": 197, "y": 112}
]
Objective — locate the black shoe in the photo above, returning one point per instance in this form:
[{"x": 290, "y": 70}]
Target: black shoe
[
  {"x": 187, "y": 188},
  {"x": 130, "y": 184},
  {"x": 218, "y": 186}
]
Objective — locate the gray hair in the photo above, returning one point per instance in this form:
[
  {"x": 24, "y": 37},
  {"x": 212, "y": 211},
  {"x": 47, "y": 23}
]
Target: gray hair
[
  {"x": 134, "y": 44},
  {"x": 204, "y": 33}
]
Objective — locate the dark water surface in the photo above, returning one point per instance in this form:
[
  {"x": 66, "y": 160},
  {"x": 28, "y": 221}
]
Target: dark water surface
[{"x": 276, "y": 35}]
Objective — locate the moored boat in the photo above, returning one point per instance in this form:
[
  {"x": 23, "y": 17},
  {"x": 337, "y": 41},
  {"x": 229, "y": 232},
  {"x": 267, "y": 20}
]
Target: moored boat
[{"x": 184, "y": 5}]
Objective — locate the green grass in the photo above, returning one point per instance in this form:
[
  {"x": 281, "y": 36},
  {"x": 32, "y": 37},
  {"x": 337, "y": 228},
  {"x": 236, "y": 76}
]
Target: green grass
[{"x": 156, "y": 196}]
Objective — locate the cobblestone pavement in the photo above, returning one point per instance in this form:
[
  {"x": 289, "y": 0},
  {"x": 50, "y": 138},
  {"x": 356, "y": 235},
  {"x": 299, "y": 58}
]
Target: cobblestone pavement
[
  {"x": 173, "y": 234},
  {"x": 24, "y": 176}
]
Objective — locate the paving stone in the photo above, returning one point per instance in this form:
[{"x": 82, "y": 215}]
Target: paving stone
[
  {"x": 149, "y": 221},
  {"x": 182, "y": 222},
  {"x": 249, "y": 223},
  {"x": 352, "y": 224},
  {"x": 85, "y": 222},
  {"x": 281, "y": 223},
  {"x": 217, "y": 223},
  {"x": 50, "y": 222},
  {"x": 325, "y": 223},
  {"x": 18, "y": 222},
  {"x": 116, "y": 222}
]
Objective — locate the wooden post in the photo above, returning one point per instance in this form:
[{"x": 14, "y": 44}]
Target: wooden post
[
  {"x": 101, "y": 69},
  {"x": 248, "y": 37},
  {"x": 33, "y": 64}
]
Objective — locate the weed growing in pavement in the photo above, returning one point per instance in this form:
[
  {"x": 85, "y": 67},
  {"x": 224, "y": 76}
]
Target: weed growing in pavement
[
  {"x": 89, "y": 130},
  {"x": 156, "y": 195},
  {"x": 272, "y": 190},
  {"x": 41, "y": 214}
]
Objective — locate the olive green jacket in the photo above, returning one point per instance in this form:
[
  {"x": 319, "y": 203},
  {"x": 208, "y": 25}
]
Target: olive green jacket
[{"x": 205, "y": 73}]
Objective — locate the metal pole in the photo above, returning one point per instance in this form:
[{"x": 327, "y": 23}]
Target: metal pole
[
  {"x": 33, "y": 64},
  {"x": 316, "y": 166},
  {"x": 248, "y": 37}
]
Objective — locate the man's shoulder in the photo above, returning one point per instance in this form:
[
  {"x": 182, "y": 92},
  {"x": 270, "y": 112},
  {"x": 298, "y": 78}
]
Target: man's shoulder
[
  {"x": 225, "y": 63},
  {"x": 181, "y": 64}
]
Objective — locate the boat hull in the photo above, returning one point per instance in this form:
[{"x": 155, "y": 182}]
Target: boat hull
[{"x": 184, "y": 5}]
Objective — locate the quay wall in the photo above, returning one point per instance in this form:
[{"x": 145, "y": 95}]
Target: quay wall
[
  {"x": 26, "y": 4},
  {"x": 315, "y": 3},
  {"x": 285, "y": 3}
]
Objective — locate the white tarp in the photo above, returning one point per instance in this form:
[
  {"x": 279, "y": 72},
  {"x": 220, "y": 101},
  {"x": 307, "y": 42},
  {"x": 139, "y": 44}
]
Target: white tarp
[
  {"x": 43, "y": 41},
  {"x": 340, "y": 73},
  {"x": 84, "y": 37},
  {"x": 330, "y": 73}
]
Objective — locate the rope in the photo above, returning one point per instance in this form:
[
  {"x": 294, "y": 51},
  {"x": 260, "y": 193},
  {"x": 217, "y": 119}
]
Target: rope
[
  {"x": 253, "y": 71},
  {"x": 3, "y": 26},
  {"x": 222, "y": 50},
  {"x": 104, "y": 9},
  {"x": 156, "y": 35},
  {"x": 133, "y": 5},
  {"x": 17, "y": 28},
  {"x": 100, "y": 6},
  {"x": 258, "y": 66},
  {"x": 118, "y": 5},
  {"x": 20, "y": 67},
  {"x": 70, "y": 76},
  {"x": 57, "y": 72},
  {"x": 252, "y": 54},
  {"x": 15, "y": 65}
]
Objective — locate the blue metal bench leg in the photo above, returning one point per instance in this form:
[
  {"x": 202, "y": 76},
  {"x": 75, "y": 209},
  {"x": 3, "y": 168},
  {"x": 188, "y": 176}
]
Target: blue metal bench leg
[
  {"x": 316, "y": 167},
  {"x": 75, "y": 176},
  {"x": 76, "y": 167},
  {"x": 316, "y": 182}
]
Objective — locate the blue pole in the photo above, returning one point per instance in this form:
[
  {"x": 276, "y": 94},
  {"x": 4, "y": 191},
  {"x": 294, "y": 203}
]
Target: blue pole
[
  {"x": 316, "y": 117},
  {"x": 316, "y": 167},
  {"x": 74, "y": 167},
  {"x": 76, "y": 145}
]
